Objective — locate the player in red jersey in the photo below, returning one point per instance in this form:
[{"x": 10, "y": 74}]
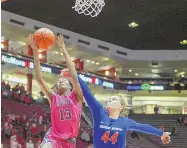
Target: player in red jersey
[{"x": 65, "y": 102}]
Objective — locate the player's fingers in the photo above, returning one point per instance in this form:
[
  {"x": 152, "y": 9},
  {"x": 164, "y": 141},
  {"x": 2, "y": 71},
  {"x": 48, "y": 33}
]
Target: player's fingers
[
  {"x": 57, "y": 42},
  {"x": 168, "y": 140},
  {"x": 32, "y": 38},
  {"x": 29, "y": 37}
]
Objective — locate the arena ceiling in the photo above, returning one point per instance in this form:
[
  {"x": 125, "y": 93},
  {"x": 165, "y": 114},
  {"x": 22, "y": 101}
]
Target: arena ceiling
[
  {"x": 18, "y": 43},
  {"x": 162, "y": 23}
]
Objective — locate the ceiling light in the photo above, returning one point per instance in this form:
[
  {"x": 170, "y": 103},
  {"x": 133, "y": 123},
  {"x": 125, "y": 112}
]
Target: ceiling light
[
  {"x": 97, "y": 63},
  {"x": 107, "y": 73},
  {"x": 40, "y": 56},
  {"x": 182, "y": 73},
  {"x": 133, "y": 24},
  {"x": 2, "y": 46},
  {"x": 56, "y": 52},
  {"x": 136, "y": 74},
  {"x": 175, "y": 70},
  {"x": 182, "y": 76},
  {"x": 93, "y": 62},
  {"x": 153, "y": 70},
  {"x": 23, "y": 43},
  {"x": 88, "y": 61},
  {"x": 184, "y": 42},
  {"x": 130, "y": 70}
]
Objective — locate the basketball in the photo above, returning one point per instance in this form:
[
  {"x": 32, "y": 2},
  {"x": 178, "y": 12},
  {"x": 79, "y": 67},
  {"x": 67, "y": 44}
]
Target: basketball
[{"x": 45, "y": 39}]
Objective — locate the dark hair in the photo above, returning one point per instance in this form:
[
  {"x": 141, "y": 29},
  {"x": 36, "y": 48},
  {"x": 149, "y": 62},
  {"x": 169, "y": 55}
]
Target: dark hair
[{"x": 55, "y": 87}]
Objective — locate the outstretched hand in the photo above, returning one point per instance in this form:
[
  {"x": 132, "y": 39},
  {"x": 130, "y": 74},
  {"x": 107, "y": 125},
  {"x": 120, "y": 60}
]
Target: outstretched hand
[
  {"x": 32, "y": 43},
  {"x": 166, "y": 139},
  {"x": 60, "y": 43}
]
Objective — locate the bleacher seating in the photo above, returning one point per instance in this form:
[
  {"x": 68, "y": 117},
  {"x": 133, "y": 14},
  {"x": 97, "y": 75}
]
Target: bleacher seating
[
  {"x": 178, "y": 141},
  {"x": 11, "y": 106},
  {"x": 145, "y": 141}
]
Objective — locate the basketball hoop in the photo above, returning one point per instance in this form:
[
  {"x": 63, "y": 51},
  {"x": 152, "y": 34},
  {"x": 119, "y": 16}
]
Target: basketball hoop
[{"x": 89, "y": 7}]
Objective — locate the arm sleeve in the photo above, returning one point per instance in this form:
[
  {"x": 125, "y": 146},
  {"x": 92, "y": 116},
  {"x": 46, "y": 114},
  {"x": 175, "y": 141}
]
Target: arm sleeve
[
  {"x": 93, "y": 104},
  {"x": 145, "y": 128}
]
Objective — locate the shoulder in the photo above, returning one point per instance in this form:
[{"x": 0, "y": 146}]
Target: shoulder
[
  {"x": 72, "y": 95},
  {"x": 126, "y": 120}
]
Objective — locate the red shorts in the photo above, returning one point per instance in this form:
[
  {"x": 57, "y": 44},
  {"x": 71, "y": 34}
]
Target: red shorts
[{"x": 57, "y": 143}]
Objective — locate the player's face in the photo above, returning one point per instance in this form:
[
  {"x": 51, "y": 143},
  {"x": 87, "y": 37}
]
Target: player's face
[
  {"x": 114, "y": 103},
  {"x": 63, "y": 85}
]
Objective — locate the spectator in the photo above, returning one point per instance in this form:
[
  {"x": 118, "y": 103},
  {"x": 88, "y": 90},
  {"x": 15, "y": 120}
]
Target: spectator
[
  {"x": 13, "y": 130},
  {"x": 42, "y": 133},
  {"x": 22, "y": 97},
  {"x": 17, "y": 87},
  {"x": 156, "y": 109},
  {"x": 22, "y": 88},
  {"x": 16, "y": 96},
  {"x": 11, "y": 118},
  {"x": 29, "y": 144},
  {"x": 34, "y": 130},
  {"x": 38, "y": 142},
  {"x": 24, "y": 119},
  {"x": 134, "y": 135},
  {"x": 45, "y": 118},
  {"x": 3, "y": 85},
  {"x": 18, "y": 119},
  {"x": 173, "y": 131},
  {"x": 7, "y": 130},
  {"x": 9, "y": 94},
  {"x": 20, "y": 140},
  {"x": 185, "y": 121},
  {"x": 180, "y": 120},
  {"x": 5, "y": 93},
  {"x": 40, "y": 119},
  {"x": 8, "y": 86},
  {"x": 27, "y": 100},
  {"x": 14, "y": 143},
  {"x": 26, "y": 130},
  {"x": 34, "y": 117}
]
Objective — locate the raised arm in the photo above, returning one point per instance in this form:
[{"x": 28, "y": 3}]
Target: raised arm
[
  {"x": 71, "y": 69},
  {"x": 93, "y": 104},
  {"x": 145, "y": 128},
  {"x": 148, "y": 129},
  {"x": 44, "y": 87}
]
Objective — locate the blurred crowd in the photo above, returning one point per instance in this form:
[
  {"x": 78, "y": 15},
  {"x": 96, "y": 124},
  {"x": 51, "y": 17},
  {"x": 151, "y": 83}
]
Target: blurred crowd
[
  {"x": 16, "y": 92},
  {"x": 26, "y": 131}
]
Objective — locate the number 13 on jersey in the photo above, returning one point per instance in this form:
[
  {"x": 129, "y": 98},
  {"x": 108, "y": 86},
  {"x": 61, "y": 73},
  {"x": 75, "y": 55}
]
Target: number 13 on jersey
[{"x": 113, "y": 138}]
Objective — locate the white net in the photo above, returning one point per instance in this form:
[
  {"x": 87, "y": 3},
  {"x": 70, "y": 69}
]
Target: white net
[{"x": 89, "y": 7}]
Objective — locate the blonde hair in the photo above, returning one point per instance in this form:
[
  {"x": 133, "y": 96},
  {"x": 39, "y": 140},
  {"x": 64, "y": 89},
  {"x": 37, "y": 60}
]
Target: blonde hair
[{"x": 124, "y": 103}]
